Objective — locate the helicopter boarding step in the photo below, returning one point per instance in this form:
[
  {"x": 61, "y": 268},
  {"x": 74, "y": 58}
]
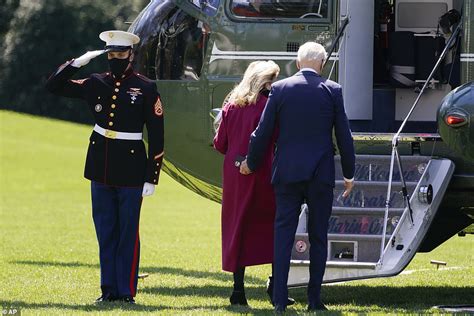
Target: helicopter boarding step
[{"x": 356, "y": 225}]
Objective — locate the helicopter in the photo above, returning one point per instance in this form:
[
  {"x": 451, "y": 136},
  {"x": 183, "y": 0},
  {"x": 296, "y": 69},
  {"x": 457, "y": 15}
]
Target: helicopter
[{"x": 407, "y": 72}]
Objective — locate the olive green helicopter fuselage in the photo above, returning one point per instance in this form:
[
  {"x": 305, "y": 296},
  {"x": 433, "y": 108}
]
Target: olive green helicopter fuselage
[{"x": 198, "y": 50}]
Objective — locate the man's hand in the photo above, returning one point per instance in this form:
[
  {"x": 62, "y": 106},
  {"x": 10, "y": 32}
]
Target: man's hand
[
  {"x": 148, "y": 189},
  {"x": 348, "y": 185},
  {"x": 244, "y": 168},
  {"x": 86, "y": 58}
]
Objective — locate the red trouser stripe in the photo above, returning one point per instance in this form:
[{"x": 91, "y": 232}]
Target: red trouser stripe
[{"x": 134, "y": 266}]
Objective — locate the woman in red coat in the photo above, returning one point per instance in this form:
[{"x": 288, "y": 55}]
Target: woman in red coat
[{"x": 248, "y": 203}]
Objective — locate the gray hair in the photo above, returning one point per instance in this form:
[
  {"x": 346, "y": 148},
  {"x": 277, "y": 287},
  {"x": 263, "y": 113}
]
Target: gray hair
[{"x": 311, "y": 51}]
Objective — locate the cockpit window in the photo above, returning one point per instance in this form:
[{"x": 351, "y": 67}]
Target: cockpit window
[
  {"x": 172, "y": 44},
  {"x": 209, "y": 7},
  {"x": 311, "y": 9}
]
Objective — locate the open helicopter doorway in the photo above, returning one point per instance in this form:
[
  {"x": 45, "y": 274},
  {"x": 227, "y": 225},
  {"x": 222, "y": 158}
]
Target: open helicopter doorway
[
  {"x": 383, "y": 68},
  {"x": 386, "y": 55}
]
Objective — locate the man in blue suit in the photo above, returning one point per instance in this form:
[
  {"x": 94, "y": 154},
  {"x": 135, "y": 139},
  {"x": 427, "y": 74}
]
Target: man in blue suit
[{"x": 305, "y": 108}]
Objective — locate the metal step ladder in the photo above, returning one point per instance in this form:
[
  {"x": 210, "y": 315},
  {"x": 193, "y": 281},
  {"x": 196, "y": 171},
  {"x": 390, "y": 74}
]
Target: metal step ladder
[{"x": 356, "y": 225}]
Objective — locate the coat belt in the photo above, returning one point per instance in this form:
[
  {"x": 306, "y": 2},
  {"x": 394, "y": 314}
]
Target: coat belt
[{"x": 117, "y": 135}]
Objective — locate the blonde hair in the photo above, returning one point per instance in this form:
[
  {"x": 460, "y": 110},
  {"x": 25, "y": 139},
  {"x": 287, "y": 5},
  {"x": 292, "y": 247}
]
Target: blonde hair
[{"x": 257, "y": 75}]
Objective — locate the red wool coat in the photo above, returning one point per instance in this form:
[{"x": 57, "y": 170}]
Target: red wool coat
[{"x": 248, "y": 202}]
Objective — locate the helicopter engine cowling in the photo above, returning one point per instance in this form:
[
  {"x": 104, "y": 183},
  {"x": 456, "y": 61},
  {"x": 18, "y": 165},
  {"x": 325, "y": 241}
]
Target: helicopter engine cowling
[{"x": 456, "y": 118}]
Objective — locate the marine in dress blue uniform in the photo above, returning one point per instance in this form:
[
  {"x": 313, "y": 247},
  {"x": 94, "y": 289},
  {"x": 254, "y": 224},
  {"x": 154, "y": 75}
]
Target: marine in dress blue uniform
[
  {"x": 122, "y": 103},
  {"x": 306, "y": 108}
]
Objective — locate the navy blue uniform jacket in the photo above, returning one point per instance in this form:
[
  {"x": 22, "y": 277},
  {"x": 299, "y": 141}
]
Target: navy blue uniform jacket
[
  {"x": 306, "y": 108},
  {"x": 123, "y": 105}
]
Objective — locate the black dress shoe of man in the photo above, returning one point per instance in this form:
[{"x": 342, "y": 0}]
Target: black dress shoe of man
[
  {"x": 107, "y": 297},
  {"x": 280, "y": 309},
  {"x": 238, "y": 298},
  {"x": 317, "y": 307},
  {"x": 127, "y": 299},
  {"x": 270, "y": 293}
]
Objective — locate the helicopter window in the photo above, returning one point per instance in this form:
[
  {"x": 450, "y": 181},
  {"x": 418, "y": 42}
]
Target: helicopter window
[
  {"x": 315, "y": 9},
  {"x": 180, "y": 48},
  {"x": 209, "y": 7}
]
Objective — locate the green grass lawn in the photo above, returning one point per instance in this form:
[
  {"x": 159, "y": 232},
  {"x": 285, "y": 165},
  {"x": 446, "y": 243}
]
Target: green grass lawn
[{"x": 49, "y": 259}]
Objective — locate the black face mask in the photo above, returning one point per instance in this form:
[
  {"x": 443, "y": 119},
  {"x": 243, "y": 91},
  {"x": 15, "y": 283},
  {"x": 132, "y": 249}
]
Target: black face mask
[
  {"x": 118, "y": 66},
  {"x": 265, "y": 92}
]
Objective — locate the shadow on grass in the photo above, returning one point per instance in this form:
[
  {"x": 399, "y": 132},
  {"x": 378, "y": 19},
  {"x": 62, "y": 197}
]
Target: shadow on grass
[
  {"x": 22, "y": 306},
  {"x": 117, "y": 307},
  {"x": 360, "y": 298},
  {"x": 55, "y": 264},
  {"x": 220, "y": 276},
  {"x": 408, "y": 298},
  {"x": 205, "y": 291}
]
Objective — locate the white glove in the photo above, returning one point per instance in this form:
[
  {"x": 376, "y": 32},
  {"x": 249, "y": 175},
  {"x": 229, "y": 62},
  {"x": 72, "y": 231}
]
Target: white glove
[
  {"x": 86, "y": 58},
  {"x": 148, "y": 189}
]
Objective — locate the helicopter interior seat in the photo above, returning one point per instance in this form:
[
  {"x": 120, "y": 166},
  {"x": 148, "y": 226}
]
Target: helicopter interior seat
[
  {"x": 417, "y": 41},
  {"x": 413, "y": 51},
  {"x": 412, "y": 57},
  {"x": 402, "y": 59}
]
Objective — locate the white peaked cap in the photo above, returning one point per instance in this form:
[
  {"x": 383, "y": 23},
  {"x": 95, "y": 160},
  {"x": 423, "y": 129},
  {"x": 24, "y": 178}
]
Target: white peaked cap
[{"x": 118, "y": 40}]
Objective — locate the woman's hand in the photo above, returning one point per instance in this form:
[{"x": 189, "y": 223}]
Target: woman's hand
[{"x": 244, "y": 168}]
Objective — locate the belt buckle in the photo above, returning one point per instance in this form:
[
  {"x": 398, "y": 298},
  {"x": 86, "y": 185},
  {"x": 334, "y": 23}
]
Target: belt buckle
[{"x": 110, "y": 134}]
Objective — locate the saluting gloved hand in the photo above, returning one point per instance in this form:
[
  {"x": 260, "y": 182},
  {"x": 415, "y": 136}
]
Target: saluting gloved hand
[
  {"x": 148, "y": 189},
  {"x": 86, "y": 58}
]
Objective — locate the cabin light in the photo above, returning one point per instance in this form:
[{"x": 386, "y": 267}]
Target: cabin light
[
  {"x": 455, "y": 120},
  {"x": 425, "y": 194}
]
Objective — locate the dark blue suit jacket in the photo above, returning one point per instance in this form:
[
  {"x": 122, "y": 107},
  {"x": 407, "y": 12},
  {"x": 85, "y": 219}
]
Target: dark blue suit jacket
[{"x": 305, "y": 108}]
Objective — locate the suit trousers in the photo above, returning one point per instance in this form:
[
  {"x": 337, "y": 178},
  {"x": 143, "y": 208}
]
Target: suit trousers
[
  {"x": 116, "y": 214},
  {"x": 289, "y": 198}
]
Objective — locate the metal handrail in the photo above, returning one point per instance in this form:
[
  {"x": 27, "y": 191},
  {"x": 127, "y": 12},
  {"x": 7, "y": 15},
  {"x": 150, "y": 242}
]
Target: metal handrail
[
  {"x": 335, "y": 59},
  {"x": 336, "y": 40},
  {"x": 384, "y": 248}
]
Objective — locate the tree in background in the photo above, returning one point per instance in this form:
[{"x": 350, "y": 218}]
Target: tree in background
[
  {"x": 7, "y": 9},
  {"x": 39, "y": 35}
]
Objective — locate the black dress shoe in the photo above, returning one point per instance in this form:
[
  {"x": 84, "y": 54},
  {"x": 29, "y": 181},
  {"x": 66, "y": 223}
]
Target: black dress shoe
[
  {"x": 127, "y": 299},
  {"x": 317, "y": 307},
  {"x": 280, "y": 309},
  {"x": 107, "y": 297},
  {"x": 270, "y": 293},
  {"x": 238, "y": 298}
]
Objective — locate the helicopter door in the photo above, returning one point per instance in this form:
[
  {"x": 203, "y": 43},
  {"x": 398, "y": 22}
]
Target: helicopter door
[
  {"x": 356, "y": 58},
  {"x": 419, "y": 21},
  {"x": 175, "y": 36}
]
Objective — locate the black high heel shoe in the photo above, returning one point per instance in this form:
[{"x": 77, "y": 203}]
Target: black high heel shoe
[
  {"x": 270, "y": 293},
  {"x": 238, "y": 298}
]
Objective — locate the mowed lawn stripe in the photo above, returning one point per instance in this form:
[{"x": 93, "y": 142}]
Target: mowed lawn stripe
[{"x": 49, "y": 263}]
